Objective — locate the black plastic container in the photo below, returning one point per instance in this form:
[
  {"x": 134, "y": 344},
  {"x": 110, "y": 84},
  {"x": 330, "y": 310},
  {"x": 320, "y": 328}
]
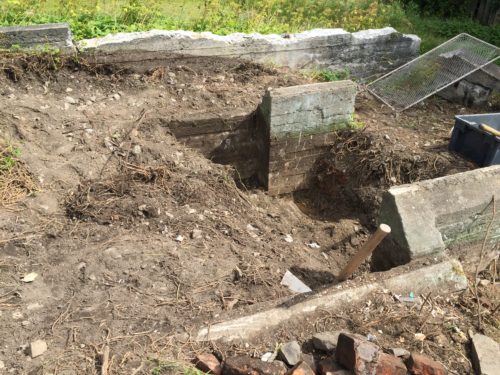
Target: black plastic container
[{"x": 475, "y": 144}]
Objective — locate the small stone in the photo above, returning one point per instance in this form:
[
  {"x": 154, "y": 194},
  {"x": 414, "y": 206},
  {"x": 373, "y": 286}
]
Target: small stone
[
  {"x": 30, "y": 277},
  {"x": 2, "y": 365},
  {"x": 25, "y": 323},
  {"x": 313, "y": 245},
  {"x": 207, "y": 362},
  {"x": 179, "y": 238},
  {"x": 288, "y": 238},
  {"x": 17, "y": 315},
  {"x": 116, "y": 96},
  {"x": 399, "y": 352},
  {"x": 268, "y": 357},
  {"x": 419, "y": 337},
  {"x": 136, "y": 150},
  {"x": 484, "y": 282},
  {"x": 37, "y": 348},
  {"x": 326, "y": 341},
  {"x": 71, "y": 100},
  {"x": 112, "y": 252},
  {"x": 386, "y": 137},
  {"x": 196, "y": 234},
  {"x": 290, "y": 352},
  {"x": 422, "y": 365},
  {"x": 243, "y": 365},
  {"x": 485, "y": 355}
]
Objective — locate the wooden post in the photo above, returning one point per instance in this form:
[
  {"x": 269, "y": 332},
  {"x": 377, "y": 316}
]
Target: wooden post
[{"x": 365, "y": 251}]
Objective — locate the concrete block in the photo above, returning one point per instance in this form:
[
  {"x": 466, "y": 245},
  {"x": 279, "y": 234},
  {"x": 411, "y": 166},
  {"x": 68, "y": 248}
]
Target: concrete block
[
  {"x": 363, "y": 53},
  {"x": 485, "y": 355},
  {"x": 52, "y": 36},
  {"x": 447, "y": 276},
  {"x": 298, "y": 121},
  {"x": 430, "y": 215}
]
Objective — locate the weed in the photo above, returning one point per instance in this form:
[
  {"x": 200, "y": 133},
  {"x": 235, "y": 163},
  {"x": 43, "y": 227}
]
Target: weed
[
  {"x": 327, "y": 75},
  {"x": 171, "y": 367}
]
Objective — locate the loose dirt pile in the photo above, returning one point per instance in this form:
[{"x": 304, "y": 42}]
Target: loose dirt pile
[{"x": 131, "y": 239}]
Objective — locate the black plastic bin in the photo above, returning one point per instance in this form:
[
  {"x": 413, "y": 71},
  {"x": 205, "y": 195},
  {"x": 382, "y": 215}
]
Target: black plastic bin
[{"x": 475, "y": 144}]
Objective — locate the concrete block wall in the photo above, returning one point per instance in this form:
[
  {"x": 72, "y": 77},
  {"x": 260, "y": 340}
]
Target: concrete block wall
[
  {"x": 53, "y": 36},
  {"x": 429, "y": 216},
  {"x": 298, "y": 127},
  {"x": 364, "y": 53}
]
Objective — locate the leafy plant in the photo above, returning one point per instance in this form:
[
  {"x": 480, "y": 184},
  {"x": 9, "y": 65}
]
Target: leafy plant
[{"x": 328, "y": 75}]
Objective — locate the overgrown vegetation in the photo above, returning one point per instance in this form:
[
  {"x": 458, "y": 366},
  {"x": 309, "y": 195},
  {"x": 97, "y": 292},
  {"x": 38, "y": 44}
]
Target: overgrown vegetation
[{"x": 93, "y": 18}]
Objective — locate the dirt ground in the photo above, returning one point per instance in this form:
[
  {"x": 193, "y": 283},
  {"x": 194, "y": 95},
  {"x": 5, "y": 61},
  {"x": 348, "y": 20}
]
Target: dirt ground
[{"x": 135, "y": 238}]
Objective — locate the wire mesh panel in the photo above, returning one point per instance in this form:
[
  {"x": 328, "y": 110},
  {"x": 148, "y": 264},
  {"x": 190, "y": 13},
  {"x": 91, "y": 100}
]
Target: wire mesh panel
[{"x": 433, "y": 71}]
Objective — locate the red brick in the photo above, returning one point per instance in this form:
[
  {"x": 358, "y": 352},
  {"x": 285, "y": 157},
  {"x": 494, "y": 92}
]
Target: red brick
[
  {"x": 207, "y": 362},
  {"x": 243, "y": 365},
  {"x": 419, "y": 364},
  {"x": 390, "y": 365},
  {"x": 357, "y": 354},
  {"x": 302, "y": 368}
]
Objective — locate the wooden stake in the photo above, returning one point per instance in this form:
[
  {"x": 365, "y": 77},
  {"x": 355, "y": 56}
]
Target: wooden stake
[{"x": 365, "y": 251}]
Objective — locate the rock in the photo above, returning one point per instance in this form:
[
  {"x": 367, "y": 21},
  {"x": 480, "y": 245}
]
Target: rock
[
  {"x": 288, "y": 238},
  {"x": 196, "y": 234},
  {"x": 309, "y": 360},
  {"x": 112, "y": 252},
  {"x": 2, "y": 365},
  {"x": 37, "y": 348},
  {"x": 70, "y": 100},
  {"x": 290, "y": 353},
  {"x": 419, "y": 336},
  {"x": 207, "y": 362},
  {"x": 328, "y": 366},
  {"x": 326, "y": 341},
  {"x": 441, "y": 340},
  {"x": 485, "y": 355},
  {"x": 418, "y": 364},
  {"x": 301, "y": 368},
  {"x": 243, "y": 365},
  {"x": 355, "y": 353},
  {"x": 136, "y": 150},
  {"x": 268, "y": 357},
  {"x": 389, "y": 365},
  {"x": 399, "y": 352},
  {"x": 30, "y": 277},
  {"x": 116, "y": 96}
]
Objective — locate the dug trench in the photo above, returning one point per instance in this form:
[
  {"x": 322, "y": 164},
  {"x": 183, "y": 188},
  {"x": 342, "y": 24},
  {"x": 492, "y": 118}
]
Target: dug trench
[{"x": 133, "y": 237}]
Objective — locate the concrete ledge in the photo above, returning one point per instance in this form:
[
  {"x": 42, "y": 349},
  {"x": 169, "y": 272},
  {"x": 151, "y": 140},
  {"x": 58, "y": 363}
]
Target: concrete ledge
[
  {"x": 447, "y": 276},
  {"x": 430, "y": 215},
  {"x": 52, "y": 36},
  {"x": 363, "y": 53}
]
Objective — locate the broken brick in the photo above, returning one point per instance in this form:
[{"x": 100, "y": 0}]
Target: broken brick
[
  {"x": 419, "y": 364},
  {"x": 389, "y": 365},
  {"x": 208, "y": 363},
  {"x": 243, "y": 365},
  {"x": 356, "y": 353},
  {"x": 302, "y": 368}
]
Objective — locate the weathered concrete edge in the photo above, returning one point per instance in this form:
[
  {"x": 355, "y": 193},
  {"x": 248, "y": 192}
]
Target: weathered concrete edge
[
  {"x": 55, "y": 36},
  {"x": 447, "y": 276}
]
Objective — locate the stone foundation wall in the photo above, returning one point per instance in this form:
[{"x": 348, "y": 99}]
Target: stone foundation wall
[
  {"x": 52, "y": 36},
  {"x": 299, "y": 124},
  {"x": 364, "y": 53}
]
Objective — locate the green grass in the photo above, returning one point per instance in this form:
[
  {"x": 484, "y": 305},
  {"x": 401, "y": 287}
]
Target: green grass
[{"x": 94, "y": 18}]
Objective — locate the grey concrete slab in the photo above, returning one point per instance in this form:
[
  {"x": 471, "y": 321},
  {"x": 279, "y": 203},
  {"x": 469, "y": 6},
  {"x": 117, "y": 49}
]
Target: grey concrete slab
[
  {"x": 47, "y": 36},
  {"x": 447, "y": 276},
  {"x": 428, "y": 216}
]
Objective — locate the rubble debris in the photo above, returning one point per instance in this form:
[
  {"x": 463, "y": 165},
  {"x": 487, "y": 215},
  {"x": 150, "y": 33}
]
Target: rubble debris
[
  {"x": 485, "y": 355},
  {"x": 419, "y": 364},
  {"x": 30, "y": 277},
  {"x": 356, "y": 353},
  {"x": 207, "y": 362},
  {"x": 243, "y": 365},
  {"x": 399, "y": 352},
  {"x": 37, "y": 348},
  {"x": 302, "y": 368},
  {"x": 290, "y": 353},
  {"x": 294, "y": 284}
]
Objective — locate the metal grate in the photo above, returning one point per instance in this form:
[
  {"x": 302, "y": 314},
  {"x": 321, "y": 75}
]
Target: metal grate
[{"x": 433, "y": 71}]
